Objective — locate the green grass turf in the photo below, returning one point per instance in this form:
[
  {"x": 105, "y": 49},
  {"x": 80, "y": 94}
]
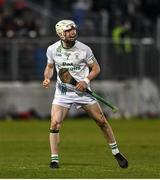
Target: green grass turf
[{"x": 25, "y": 153}]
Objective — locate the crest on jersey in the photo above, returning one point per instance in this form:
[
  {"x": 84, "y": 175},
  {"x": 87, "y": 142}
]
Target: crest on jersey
[
  {"x": 67, "y": 54},
  {"x": 77, "y": 56}
]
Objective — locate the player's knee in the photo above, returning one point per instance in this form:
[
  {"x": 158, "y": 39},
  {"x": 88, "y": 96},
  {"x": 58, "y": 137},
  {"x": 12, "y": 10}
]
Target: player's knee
[
  {"x": 101, "y": 123},
  {"x": 55, "y": 125}
]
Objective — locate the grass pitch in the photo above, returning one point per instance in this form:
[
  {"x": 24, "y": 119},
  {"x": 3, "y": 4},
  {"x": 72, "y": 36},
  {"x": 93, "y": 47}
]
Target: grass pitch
[{"x": 25, "y": 153}]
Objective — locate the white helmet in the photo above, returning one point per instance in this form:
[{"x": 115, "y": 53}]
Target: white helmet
[{"x": 64, "y": 25}]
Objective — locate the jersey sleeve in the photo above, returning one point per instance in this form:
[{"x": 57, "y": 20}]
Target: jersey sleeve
[
  {"x": 90, "y": 56},
  {"x": 50, "y": 60}
]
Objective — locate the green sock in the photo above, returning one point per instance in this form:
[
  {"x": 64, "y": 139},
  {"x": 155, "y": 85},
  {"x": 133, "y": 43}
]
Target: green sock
[
  {"x": 54, "y": 158},
  {"x": 114, "y": 148}
]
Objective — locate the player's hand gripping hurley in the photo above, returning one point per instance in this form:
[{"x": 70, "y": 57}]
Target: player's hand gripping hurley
[{"x": 66, "y": 77}]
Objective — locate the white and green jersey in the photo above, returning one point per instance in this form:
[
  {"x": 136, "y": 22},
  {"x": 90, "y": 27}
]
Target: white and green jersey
[{"x": 76, "y": 59}]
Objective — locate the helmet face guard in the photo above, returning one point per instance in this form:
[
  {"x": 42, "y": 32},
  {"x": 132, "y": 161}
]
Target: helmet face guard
[{"x": 63, "y": 26}]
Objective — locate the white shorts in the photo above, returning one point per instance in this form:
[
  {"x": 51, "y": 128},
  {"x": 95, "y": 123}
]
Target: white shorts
[{"x": 70, "y": 97}]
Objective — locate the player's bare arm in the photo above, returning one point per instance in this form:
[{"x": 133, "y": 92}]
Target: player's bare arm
[
  {"x": 48, "y": 73},
  {"x": 95, "y": 70}
]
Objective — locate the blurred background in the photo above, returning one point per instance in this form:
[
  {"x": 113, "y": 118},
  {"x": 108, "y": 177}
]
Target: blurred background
[{"x": 123, "y": 34}]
